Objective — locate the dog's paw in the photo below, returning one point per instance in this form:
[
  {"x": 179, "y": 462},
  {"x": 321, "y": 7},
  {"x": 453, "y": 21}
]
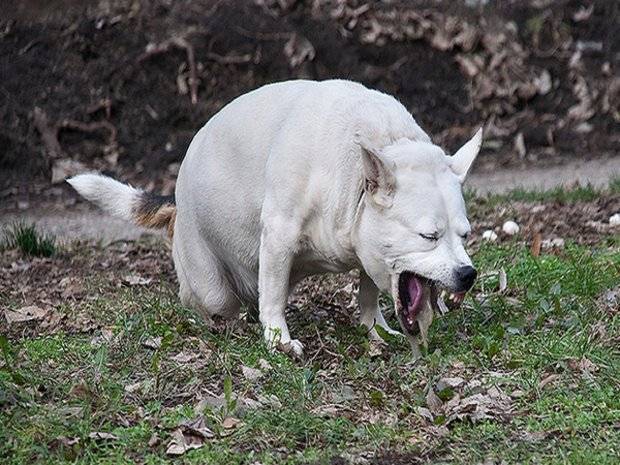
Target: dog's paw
[{"x": 293, "y": 347}]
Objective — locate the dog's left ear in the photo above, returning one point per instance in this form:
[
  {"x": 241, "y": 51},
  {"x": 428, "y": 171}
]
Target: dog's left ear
[{"x": 462, "y": 160}]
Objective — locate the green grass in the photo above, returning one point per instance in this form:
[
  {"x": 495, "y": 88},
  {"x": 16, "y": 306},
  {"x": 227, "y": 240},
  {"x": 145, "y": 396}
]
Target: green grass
[
  {"x": 559, "y": 194},
  {"x": 551, "y": 316},
  {"x": 28, "y": 240}
]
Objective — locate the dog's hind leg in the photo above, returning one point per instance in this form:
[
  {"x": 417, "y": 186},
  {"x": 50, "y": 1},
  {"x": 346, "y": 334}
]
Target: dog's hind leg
[
  {"x": 370, "y": 313},
  {"x": 203, "y": 284}
]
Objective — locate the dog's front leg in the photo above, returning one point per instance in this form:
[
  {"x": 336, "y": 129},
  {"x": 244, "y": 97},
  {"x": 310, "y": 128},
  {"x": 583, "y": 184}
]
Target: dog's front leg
[
  {"x": 278, "y": 244},
  {"x": 370, "y": 313}
]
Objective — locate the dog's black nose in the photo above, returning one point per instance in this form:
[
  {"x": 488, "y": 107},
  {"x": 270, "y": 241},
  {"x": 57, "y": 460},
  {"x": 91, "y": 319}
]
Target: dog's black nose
[{"x": 465, "y": 277}]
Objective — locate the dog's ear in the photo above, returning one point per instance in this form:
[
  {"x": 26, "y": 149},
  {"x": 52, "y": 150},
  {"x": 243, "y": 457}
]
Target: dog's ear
[
  {"x": 462, "y": 160},
  {"x": 379, "y": 182}
]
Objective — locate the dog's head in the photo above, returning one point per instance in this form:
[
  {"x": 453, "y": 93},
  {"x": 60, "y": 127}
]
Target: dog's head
[{"x": 412, "y": 223}]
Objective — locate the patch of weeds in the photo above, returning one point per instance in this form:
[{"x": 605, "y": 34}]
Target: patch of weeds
[{"x": 28, "y": 240}]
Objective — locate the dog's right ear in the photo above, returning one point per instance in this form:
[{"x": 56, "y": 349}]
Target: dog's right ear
[{"x": 379, "y": 182}]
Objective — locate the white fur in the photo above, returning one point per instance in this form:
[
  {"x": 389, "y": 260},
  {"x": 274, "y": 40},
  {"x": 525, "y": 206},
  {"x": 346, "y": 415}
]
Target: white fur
[
  {"x": 271, "y": 191},
  {"x": 112, "y": 196}
]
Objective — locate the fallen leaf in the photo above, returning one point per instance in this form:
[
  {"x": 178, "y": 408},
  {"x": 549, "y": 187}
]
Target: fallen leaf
[
  {"x": 154, "y": 440},
  {"x": 183, "y": 357},
  {"x": 104, "y": 338},
  {"x": 131, "y": 388},
  {"x": 582, "y": 364},
  {"x": 29, "y": 313},
  {"x": 264, "y": 364},
  {"x": 251, "y": 374},
  {"x": 152, "y": 343},
  {"x": 547, "y": 380},
  {"x": 67, "y": 441},
  {"x": 197, "y": 426},
  {"x": 181, "y": 443},
  {"x": 449, "y": 383},
  {"x": 135, "y": 280},
  {"x": 425, "y": 413},
  {"x": 231, "y": 422},
  {"x": 433, "y": 402},
  {"x": 190, "y": 434},
  {"x": 375, "y": 348},
  {"x": 97, "y": 435}
]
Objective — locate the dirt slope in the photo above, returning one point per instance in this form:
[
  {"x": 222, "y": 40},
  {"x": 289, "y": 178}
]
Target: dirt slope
[{"x": 122, "y": 86}]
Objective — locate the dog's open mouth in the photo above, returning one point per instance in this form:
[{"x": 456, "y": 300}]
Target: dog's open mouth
[{"x": 411, "y": 293}]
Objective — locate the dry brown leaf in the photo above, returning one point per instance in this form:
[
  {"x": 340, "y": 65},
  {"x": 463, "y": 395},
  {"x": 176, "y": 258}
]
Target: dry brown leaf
[
  {"x": 183, "y": 357},
  {"x": 98, "y": 435},
  {"x": 134, "y": 387},
  {"x": 582, "y": 364},
  {"x": 433, "y": 402},
  {"x": 154, "y": 440},
  {"x": 251, "y": 374},
  {"x": 425, "y": 413},
  {"x": 231, "y": 422},
  {"x": 449, "y": 383},
  {"x": 28, "y": 313},
  {"x": 152, "y": 343},
  {"x": 135, "y": 280},
  {"x": 264, "y": 365},
  {"x": 197, "y": 426},
  {"x": 548, "y": 380},
  {"x": 181, "y": 443}
]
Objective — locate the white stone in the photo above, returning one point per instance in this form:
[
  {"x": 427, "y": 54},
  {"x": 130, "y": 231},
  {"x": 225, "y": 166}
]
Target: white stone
[
  {"x": 489, "y": 235},
  {"x": 511, "y": 228},
  {"x": 614, "y": 220}
]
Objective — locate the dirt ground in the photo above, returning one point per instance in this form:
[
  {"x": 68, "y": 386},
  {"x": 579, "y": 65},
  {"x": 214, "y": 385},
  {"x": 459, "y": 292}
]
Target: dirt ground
[{"x": 122, "y": 86}]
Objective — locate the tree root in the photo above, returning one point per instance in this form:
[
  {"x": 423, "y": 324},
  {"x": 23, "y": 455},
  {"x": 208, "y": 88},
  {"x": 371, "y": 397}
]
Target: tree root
[{"x": 182, "y": 43}]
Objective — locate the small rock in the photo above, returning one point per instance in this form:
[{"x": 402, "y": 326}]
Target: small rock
[
  {"x": 489, "y": 235},
  {"x": 614, "y": 220},
  {"x": 511, "y": 228}
]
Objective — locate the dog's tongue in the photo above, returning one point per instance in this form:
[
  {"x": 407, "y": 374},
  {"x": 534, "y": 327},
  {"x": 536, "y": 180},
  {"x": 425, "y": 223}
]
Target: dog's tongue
[{"x": 414, "y": 288}]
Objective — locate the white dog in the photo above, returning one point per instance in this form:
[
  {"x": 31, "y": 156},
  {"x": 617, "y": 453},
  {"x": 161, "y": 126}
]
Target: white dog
[{"x": 298, "y": 178}]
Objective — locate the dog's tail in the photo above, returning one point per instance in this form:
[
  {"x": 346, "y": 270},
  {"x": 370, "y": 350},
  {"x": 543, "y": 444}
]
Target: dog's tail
[{"x": 122, "y": 200}]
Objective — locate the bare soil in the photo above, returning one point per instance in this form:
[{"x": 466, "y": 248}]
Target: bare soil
[{"x": 110, "y": 84}]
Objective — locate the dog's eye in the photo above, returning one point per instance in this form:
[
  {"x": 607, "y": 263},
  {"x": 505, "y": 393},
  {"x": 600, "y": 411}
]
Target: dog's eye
[
  {"x": 465, "y": 236},
  {"x": 429, "y": 237}
]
